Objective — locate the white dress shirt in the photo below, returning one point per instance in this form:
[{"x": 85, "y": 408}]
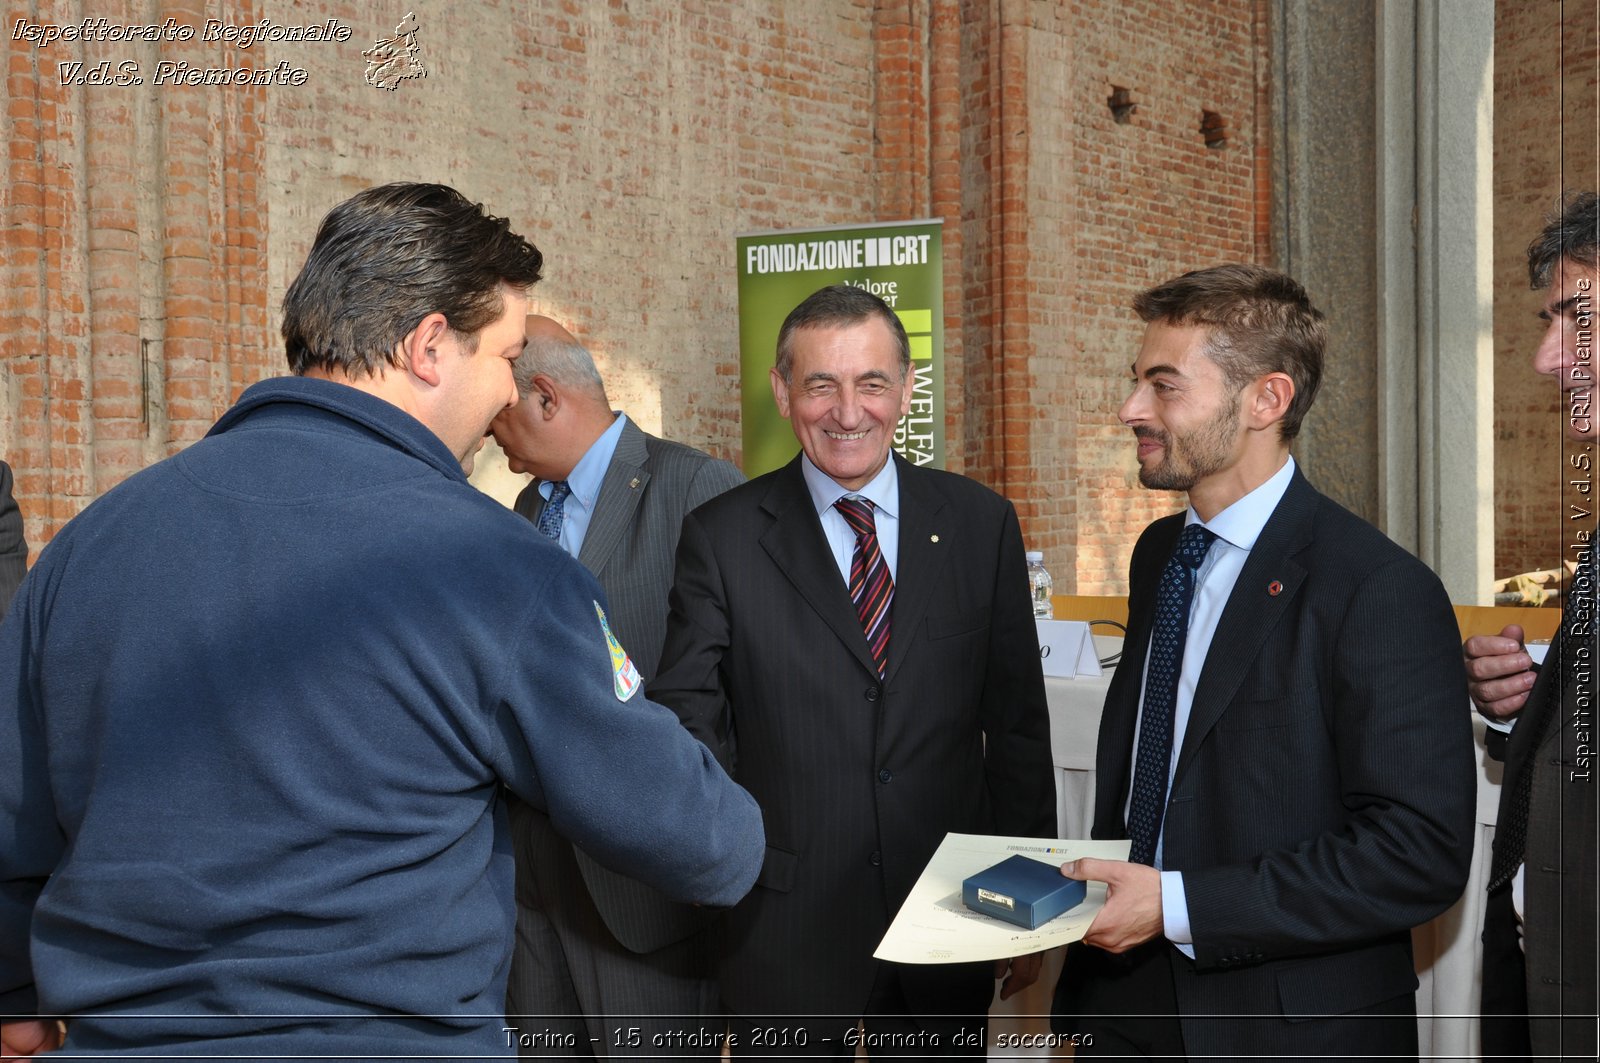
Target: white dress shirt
[
  {"x": 884, "y": 494},
  {"x": 584, "y": 482}
]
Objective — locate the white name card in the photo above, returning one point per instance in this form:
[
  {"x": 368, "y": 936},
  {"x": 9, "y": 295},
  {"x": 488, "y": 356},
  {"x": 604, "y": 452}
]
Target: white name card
[{"x": 1066, "y": 649}]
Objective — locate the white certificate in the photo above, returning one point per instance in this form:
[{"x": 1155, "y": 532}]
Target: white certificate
[{"x": 934, "y": 926}]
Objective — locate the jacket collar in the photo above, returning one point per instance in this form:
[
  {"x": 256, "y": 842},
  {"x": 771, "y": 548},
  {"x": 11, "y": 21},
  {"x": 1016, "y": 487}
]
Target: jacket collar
[
  {"x": 384, "y": 419},
  {"x": 621, "y": 490}
]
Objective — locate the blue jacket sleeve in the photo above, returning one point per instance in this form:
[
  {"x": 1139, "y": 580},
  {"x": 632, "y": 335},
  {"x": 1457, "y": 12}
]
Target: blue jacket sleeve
[{"x": 617, "y": 773}]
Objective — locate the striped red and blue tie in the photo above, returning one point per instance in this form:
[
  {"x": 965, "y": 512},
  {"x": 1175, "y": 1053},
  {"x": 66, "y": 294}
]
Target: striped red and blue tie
[{"x": 871, "y": 587}]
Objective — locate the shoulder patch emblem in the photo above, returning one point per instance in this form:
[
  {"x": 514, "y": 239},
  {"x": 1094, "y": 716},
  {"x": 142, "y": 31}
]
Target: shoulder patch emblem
[{"x": 625, "y": 678}]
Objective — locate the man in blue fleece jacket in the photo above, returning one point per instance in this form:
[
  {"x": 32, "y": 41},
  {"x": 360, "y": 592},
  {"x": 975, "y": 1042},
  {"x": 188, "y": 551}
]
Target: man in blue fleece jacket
[{"x": 267, "y": 692}]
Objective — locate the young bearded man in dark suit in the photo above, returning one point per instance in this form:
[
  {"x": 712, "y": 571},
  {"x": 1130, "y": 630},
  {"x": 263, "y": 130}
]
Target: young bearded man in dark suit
[
  {"x": 600, "y": 955},
  {"x": 1286, "y": 740},
  {"x": 1540, "y": 946},
  {"x": 854, "y": 634}
]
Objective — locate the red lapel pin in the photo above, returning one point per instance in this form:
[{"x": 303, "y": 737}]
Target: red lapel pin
[{"x": 1275, "y": 588}]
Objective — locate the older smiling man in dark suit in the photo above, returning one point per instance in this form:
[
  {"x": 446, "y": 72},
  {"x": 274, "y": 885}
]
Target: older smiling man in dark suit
[{"x": 855, "y": 634}]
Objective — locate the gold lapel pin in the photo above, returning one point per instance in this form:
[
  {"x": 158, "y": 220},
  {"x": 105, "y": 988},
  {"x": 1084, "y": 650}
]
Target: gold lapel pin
[{"x": 634, "y": 483}]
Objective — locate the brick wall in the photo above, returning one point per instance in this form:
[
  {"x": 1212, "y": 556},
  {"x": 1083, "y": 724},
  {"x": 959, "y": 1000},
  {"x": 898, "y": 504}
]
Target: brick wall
[
  {"x": 1064, "y": 215},
  {"x": 1148, "y": 201},
  {"x": 1544, "y": 142},
  {"x": 132, "y": 240},
  {"x": 630, "y": 142},
  {"x": 150, "y": 233}
]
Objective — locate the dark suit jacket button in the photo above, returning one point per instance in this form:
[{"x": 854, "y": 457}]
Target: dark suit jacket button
[
  {"x": 875, "y": 859},
  {"x": 885, "y": 775},
  {"x": 872, "y": 693}
]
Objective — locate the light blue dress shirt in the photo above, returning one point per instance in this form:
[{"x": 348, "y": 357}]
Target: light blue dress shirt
[
  {"x": 884, "y": 494},
  {"x": 584, "y": 481},
  {"x": 1237, "y": 528}
]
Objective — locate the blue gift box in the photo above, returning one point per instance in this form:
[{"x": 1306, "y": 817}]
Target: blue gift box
[{"x": 1023, "y": 891}]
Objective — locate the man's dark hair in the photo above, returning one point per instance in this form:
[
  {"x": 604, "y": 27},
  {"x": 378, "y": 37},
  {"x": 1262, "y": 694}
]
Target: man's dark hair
[
  {"x": 838, "y": 304},
  {"x": 387, "y": 258},
  {"x": 1260, "y": 322},
  {"x": 1572, "y": 235}
]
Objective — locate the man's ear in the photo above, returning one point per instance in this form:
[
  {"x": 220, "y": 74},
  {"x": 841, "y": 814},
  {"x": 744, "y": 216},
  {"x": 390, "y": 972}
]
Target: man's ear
[
  {"x": 419, "y": 349},
  {"x": 546, "y": 394},
  {"x": 1269, "y": 400},
  {"x": 780, "y": 391}
]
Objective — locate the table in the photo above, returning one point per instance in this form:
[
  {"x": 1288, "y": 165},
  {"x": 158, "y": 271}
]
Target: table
[
  {"x": 1074, "y": 728},
  {"x": 1075, "y": 706},
  {"x": 1449, "y": 955},
  {"x": 1447, "y": 951}
]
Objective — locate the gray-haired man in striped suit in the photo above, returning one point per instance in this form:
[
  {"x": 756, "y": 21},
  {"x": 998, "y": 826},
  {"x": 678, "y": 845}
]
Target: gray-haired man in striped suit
[{"x": 592, "y": 943}]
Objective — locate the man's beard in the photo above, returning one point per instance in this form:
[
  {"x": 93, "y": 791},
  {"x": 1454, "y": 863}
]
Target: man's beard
[{"x": 1188, "y": 459}]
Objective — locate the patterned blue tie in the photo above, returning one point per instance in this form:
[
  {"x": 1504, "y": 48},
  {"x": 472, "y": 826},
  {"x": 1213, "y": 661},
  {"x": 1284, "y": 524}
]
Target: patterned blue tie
[
  {"x": 1161, "y": 691},
  {"x": 551, "y": 517}
]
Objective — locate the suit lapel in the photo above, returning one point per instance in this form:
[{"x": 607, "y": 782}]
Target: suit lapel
[
  {"x": 919, "y": 561},
  {"x": 620, "y": 491},
  {"x": 797, "y": 546},
  {"x": 530, "y": 503},
  {"x": 1252, "y": 612}
]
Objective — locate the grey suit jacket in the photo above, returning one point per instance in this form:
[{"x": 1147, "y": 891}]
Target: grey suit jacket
[
  {"x": 13, "y": 548},
  {"x": 858, "y": 778},
  {"x": 1322, "y": 803},
  {"x": 649, "y": 486},
  {"x": 1554, "y": 740}
]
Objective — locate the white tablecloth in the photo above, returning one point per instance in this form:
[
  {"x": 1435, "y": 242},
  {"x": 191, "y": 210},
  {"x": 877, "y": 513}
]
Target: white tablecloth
[
  {"x": 1448, "y": 953},
  {"x": 1074, "y": 727}
]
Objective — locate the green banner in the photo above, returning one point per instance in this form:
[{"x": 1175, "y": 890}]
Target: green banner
[{"x": 901, "y": 262}]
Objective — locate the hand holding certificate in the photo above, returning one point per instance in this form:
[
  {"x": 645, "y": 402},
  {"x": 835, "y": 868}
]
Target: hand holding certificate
[{"x": 935, "y": 926}]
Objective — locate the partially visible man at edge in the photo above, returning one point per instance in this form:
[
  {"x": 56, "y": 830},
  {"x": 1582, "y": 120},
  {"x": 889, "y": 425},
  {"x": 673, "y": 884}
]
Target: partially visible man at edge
[
  {"x": 13, "y": 547},
  {"x": 596, "y": 950},
  {"x": 268, "y": 691},
  {"x": 1540, "y": 945}
]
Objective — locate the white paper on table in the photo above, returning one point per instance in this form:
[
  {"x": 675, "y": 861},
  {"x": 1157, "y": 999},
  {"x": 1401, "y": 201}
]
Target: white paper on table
[
  {"x": 1066, "y": 649},
  {"x": 934, "y": 926}
]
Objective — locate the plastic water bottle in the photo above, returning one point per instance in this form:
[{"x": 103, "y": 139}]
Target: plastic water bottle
[{"x": 1040, "y": 585}]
